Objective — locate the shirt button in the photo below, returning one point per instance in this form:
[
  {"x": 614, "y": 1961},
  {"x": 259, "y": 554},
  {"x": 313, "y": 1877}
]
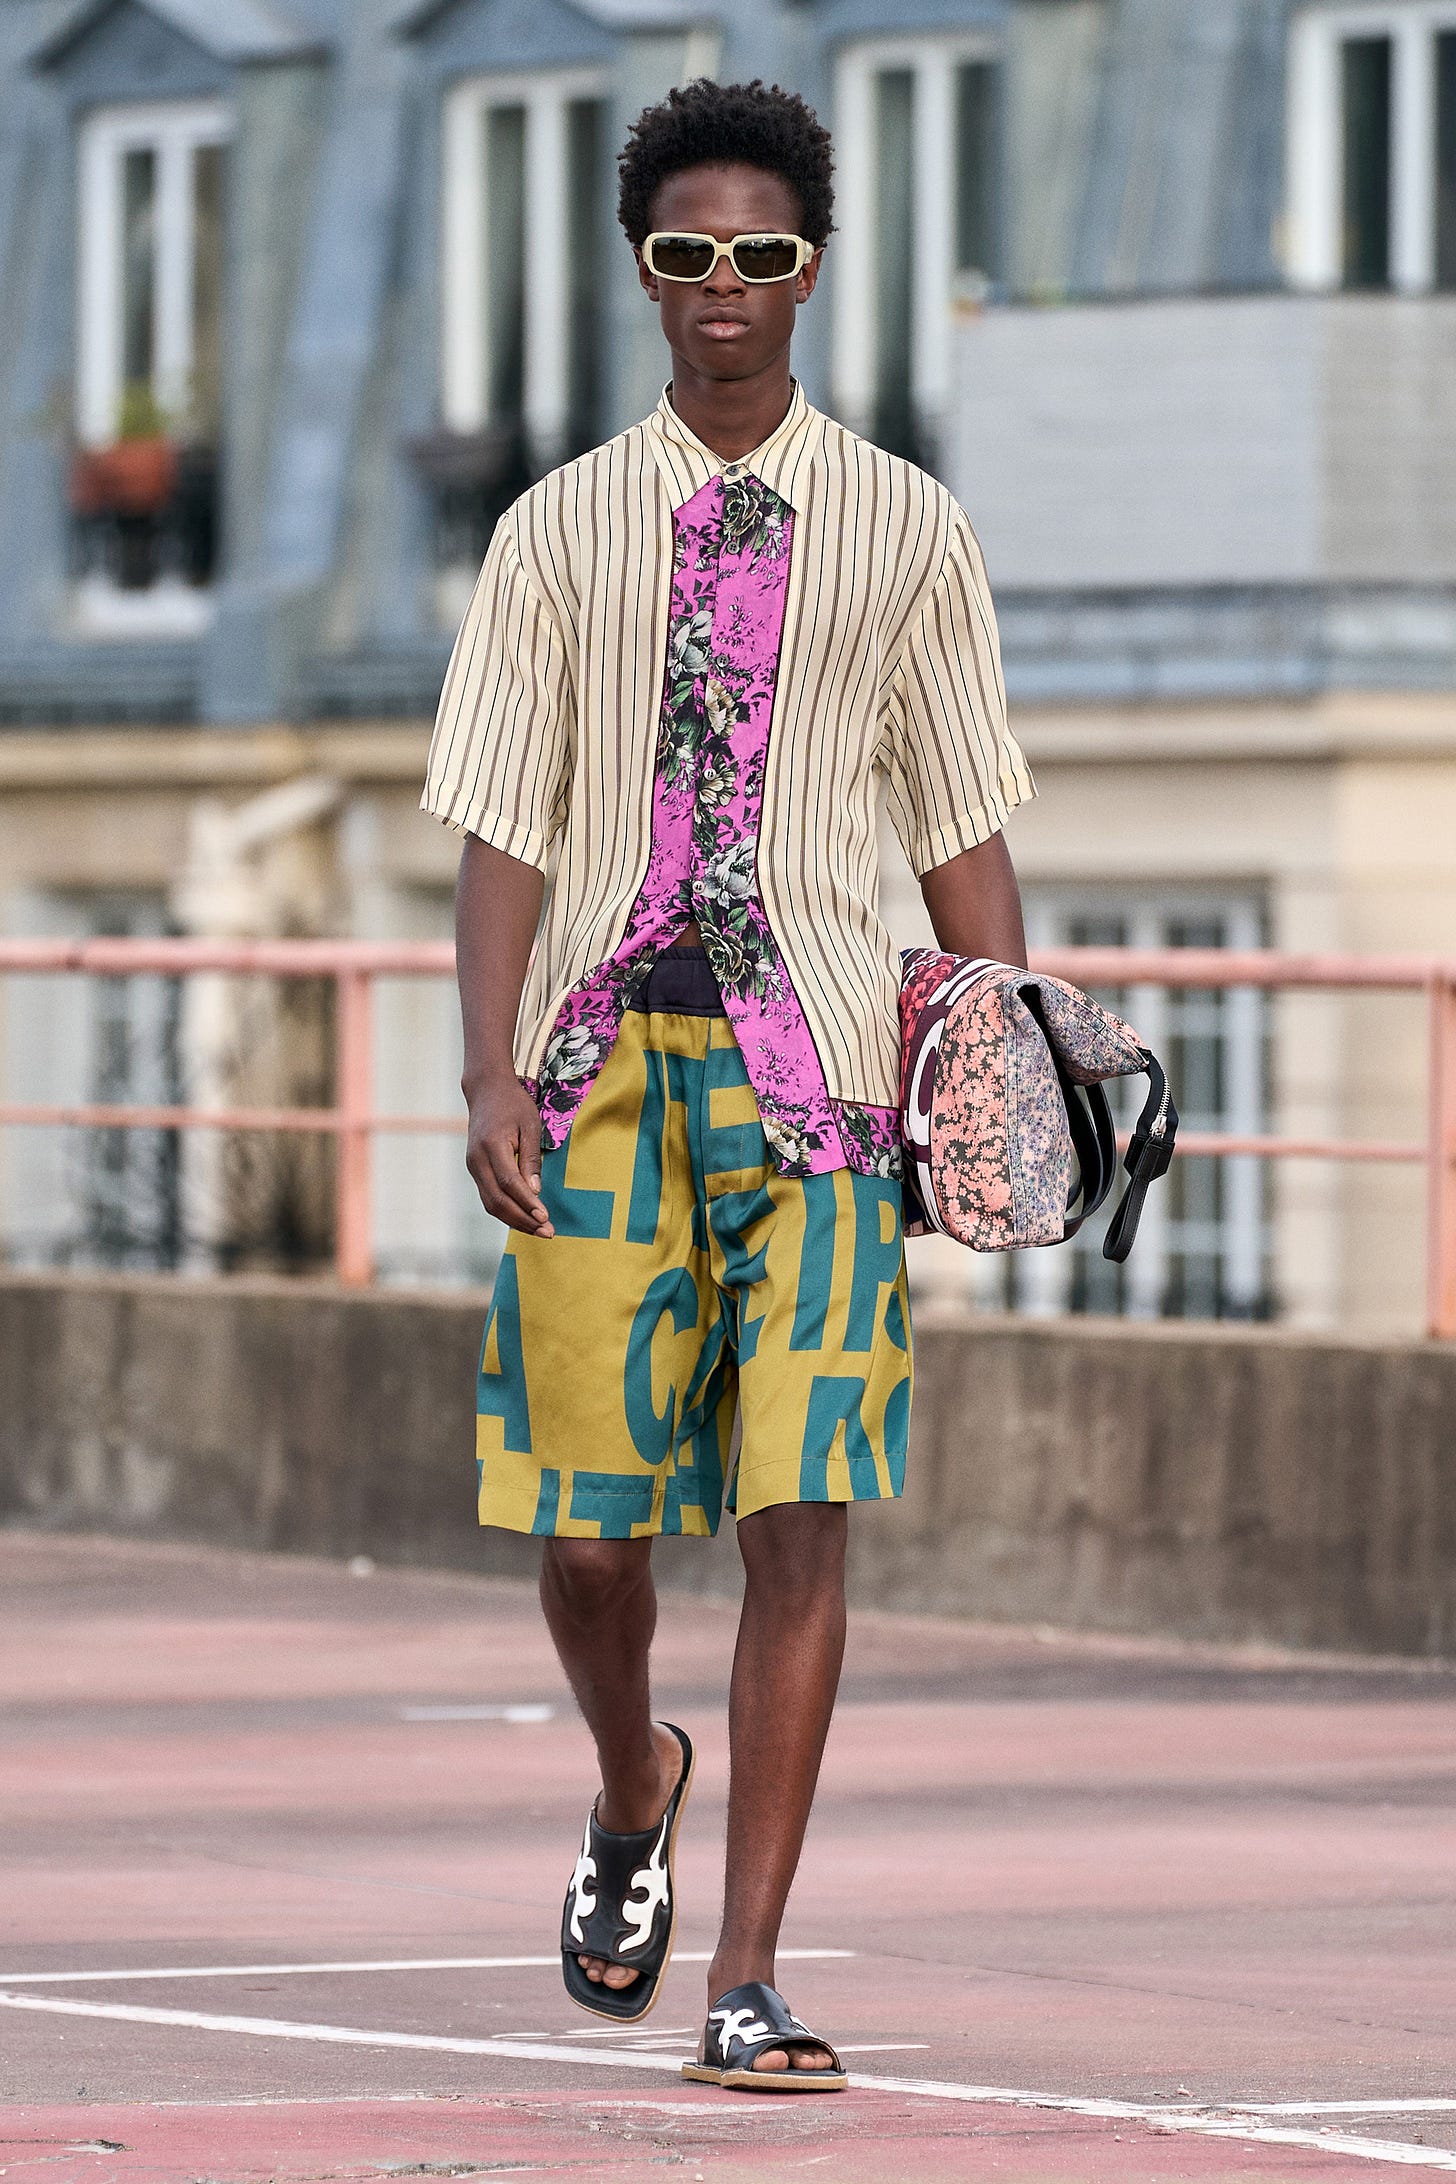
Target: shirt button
[{"x": 732, "y": 470}]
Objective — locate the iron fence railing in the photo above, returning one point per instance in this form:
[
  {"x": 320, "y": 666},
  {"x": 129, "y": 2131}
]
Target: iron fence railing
[{"x": 352, "y": 1121}]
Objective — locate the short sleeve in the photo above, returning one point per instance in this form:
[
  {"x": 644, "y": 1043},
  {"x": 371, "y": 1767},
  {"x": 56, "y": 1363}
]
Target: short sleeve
[
  {"x": 954, "y": 771},
  {"x": 500, "y": 754}
]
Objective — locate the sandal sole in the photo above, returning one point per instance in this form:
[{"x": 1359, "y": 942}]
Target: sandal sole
[
  {"x": 768, "y": 2081},
  {"x": 784, "y": 2081},
  {"x": 635, "y": 2017}
]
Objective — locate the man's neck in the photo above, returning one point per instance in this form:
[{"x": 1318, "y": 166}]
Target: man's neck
[{"x": 732, "y": 416}]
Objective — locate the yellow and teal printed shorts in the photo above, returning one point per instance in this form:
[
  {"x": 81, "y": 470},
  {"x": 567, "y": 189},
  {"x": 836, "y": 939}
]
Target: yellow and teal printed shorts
[{"x": 688, "y": 1276}]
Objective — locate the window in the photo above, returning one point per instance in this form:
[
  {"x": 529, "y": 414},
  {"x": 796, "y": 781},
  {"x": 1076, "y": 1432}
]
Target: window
[
  {"x": 916, "y": 127},
  {"x": 1365, "y": 160},
  {"x": 521, "y": 304},
  {"x": 150, "y": 262},
  {"x": 1203, "y": 1249},
  {"x": 1372, "y": 147},
  {"x": 521, "y": 259}
]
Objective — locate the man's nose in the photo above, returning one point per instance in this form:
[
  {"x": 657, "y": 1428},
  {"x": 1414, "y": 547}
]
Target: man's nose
[{"x": 724, "y": 279}]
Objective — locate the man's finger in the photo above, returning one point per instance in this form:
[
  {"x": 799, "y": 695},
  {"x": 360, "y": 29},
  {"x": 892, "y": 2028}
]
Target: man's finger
[
  {"x": 530, "y": 1153},
  {"x": 501, "y": 1153}
]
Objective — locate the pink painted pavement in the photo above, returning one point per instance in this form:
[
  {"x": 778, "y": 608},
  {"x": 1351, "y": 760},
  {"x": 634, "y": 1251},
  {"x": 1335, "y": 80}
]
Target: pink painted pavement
[{"x": 1162, "y": 1876}]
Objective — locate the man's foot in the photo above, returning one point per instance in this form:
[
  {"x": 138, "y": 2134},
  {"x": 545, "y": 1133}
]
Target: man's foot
[
  {"x": 739, "y": 2048},
  {"x": 642, "y": 1807},
  {"x": 621, "y": 1908},
  {"x": 814, "y": 2058}
]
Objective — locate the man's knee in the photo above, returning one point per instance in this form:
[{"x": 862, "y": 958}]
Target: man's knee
[
  {"x": 589, "y": 1576},
  {"x": 797, "y": 1548}
]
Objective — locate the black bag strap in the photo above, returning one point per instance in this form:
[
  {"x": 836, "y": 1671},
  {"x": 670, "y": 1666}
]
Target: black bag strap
[
  {"x": 1094, "y": 1142},
  {"x": 1148, "y": 1156},
  {"x": 1089, "y": 1123}
]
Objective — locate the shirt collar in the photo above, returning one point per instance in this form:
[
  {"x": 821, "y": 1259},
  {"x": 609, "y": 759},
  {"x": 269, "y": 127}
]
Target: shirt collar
[{"x": 780, "y": 461}]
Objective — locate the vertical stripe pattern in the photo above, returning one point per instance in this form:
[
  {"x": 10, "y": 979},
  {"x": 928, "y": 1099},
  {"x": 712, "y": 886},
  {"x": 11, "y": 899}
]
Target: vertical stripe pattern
[{"x": 889, "y": 669}]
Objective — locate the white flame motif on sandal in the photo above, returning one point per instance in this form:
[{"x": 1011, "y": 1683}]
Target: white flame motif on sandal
[
  {"x": 646, "y": 1896},
  {"x": 737, "y": 2027},
  {"x": 583, "y": 1900}
]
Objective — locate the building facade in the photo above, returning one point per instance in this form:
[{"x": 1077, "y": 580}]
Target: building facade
[{"x": 299, "y": 293}]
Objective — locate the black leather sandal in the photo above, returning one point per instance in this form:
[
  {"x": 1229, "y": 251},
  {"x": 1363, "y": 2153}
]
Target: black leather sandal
[
  {"x": 745, "y": 2024},
  {"x": 621, "y": 1906}
]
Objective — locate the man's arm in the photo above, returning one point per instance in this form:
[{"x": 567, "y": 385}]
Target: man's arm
[
  {"x": 497, "y": 905},
  {"x": 975, "y": 904}
]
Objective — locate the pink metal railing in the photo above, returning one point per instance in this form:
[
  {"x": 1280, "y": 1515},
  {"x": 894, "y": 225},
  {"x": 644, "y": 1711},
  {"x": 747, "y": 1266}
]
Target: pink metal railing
[{"x": 354, "y": 966}]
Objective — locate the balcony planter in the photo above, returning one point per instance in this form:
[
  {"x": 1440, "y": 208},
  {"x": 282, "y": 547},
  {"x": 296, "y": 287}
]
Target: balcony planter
[{"x": 136, "y": 477}]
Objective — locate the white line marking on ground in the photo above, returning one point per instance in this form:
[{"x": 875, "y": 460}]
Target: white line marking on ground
[
  {"x": 278, "y": 2028},
  {"x": 1166, "y": 2120},
  {"x": 657, "y": 2033},
  {"x": 1343, "y": 2108},
  {"x": 1173, "y": 2120},
  {"x": 532, "y": 1712},
  {"x": 374, "y": 1964}
]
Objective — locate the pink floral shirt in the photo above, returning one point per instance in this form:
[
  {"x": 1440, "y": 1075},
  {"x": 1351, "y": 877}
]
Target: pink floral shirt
[{"x": 731, "y": 546}]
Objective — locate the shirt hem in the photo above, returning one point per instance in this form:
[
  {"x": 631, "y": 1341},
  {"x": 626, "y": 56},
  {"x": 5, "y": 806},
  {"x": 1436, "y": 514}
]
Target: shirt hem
[
  {"x": 526, "y": 844},
  {"x": 968, "y": 830}
]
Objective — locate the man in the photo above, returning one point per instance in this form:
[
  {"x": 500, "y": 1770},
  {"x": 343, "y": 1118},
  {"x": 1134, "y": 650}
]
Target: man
[{"x": 692, "y": 658}]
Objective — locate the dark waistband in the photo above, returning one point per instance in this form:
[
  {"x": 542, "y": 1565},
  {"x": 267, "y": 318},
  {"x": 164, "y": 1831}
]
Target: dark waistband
[{"x": 681, "y": 981}]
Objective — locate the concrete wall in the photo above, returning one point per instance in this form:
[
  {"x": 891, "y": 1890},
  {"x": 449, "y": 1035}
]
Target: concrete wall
[{"x": 1220, "y": 1483}]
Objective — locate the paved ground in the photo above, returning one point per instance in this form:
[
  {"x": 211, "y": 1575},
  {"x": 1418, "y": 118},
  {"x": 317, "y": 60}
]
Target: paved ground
[{"x": 283, "y": 1852}]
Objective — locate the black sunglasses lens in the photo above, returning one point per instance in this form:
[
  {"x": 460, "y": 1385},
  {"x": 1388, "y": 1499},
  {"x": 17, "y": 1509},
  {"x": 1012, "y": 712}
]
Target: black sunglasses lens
[
  {"x": 766, "y": 257},
  {"x": 681, "y": 257}
]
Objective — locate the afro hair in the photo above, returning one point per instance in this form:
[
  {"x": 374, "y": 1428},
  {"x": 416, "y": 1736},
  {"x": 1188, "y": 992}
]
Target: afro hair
[{"x": 755, "y": 124}]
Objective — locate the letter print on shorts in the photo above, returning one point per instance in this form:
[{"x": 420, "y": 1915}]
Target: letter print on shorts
[{"x": 688, "y": 1277}]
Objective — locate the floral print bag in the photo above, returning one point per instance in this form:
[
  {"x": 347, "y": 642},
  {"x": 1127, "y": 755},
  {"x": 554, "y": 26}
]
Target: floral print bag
[{"x": 1007, "y": 1131}]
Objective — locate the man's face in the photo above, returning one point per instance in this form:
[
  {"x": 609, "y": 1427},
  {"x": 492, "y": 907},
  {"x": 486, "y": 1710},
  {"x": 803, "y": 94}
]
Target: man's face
[{"x": 723, "y": 327}]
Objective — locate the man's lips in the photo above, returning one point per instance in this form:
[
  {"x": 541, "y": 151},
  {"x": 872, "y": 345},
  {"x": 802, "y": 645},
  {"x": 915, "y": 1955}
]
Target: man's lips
[{"x": 722, "y": 325}]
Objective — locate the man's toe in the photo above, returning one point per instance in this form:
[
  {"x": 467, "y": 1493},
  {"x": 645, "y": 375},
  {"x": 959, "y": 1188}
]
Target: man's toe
[{"x": 802, "y": 2059}]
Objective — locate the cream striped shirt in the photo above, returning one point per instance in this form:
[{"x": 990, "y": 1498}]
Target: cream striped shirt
[{"x": 888, "y": 669}]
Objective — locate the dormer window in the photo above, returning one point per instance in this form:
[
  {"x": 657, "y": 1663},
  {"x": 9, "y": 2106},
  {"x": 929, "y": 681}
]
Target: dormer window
[
  {"x": 520, "y": 283},
  {"x": 148, "y": 364},
  {"x": 916, "y": 131},
  {"x": 1372, "y": 147}
]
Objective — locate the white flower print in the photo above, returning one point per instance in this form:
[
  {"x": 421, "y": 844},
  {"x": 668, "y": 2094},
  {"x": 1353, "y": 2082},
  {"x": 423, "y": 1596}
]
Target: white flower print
[
  {"x": 790, "y": 1146},
  {"x": 572, "y": 1054},
  {"x": 718, "y": 705},
  {"x": 690, "y": 643},
  {"x": 715, "y": 783},
  {"x": 727, "y": 878}
]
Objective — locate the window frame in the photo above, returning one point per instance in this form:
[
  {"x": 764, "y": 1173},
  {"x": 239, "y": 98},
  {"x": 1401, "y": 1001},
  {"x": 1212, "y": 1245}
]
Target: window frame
[
  {"x": 1040, "y": 1282},
  {"x": 465, "y": 330},
  {"x": 1314, "y": 179},
  {"x": 173, "y": 129},
  {"x": 932, "y": 59}
]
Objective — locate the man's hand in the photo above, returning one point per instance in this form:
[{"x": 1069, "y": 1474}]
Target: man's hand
[
  {"x": 497, "y": 905},
  {"x": 503, "y": 1153}
]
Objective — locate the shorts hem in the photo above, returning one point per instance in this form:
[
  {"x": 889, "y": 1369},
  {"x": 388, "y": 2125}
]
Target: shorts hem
[{"x": 749, "y": 1504}]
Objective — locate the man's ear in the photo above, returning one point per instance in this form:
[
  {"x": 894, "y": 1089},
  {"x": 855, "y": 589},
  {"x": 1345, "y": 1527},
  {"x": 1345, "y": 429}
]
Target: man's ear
[
  {"x": 804, "y": 286},
  {"x": 649, "y": 280}
]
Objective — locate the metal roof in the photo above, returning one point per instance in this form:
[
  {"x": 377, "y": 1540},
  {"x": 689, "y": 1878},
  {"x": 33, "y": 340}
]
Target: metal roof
[{"x": 232, "y": 30}]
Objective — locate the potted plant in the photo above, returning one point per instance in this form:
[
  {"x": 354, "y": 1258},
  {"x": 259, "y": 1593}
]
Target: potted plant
[{"x": 137, "y": 474}]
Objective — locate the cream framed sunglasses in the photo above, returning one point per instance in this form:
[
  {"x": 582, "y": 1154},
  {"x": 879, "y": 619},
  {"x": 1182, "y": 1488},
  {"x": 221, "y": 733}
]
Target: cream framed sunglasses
[{"x": 675, "y": 254}]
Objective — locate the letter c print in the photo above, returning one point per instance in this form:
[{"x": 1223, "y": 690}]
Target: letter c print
[{"x": 671, "y": 1292}]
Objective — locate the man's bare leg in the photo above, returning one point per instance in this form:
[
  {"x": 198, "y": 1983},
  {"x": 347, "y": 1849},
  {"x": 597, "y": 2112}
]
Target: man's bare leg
[
  {"x": 601, "y": 1607},
  {"x": 785, "y": 1677}
]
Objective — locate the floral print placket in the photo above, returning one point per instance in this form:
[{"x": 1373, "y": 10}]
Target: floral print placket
[{"x": 731, "y": 546}]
